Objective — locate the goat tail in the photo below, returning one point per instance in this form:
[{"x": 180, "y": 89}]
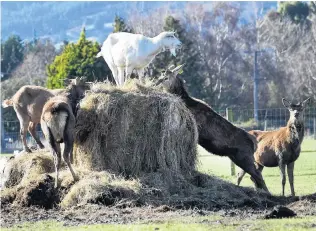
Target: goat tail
[
  {"x": 7, "y": 103},
  {"x": 254, "y": 141}
]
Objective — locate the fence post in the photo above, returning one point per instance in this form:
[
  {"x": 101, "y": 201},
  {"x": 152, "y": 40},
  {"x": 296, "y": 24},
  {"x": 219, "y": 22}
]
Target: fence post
[
  {"x": 229, "y": 117},
  {"x": 314, "y": 128}
]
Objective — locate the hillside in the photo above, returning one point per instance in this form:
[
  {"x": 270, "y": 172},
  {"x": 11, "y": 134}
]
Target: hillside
[{"x": 63, "y": 20}]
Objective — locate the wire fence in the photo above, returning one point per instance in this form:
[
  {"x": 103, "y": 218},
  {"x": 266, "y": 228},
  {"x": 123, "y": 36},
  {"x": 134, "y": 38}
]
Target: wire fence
[{"x": 268, "y": 119}]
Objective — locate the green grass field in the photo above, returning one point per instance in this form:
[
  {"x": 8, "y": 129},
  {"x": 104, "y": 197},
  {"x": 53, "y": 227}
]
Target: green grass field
[
  {"x": 304, "y": 171},
  {"x": 304, "y": 182},
  {"x": 214, "y": 223}
]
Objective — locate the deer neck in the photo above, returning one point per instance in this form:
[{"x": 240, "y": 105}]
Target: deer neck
[{"x": 295, "y": 128}]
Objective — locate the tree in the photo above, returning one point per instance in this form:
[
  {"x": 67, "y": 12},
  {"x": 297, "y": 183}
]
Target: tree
[
  {"x": 295, "y": 55},
  {"x": 11, "y": 54},
  {"x": 77, "y": 60},
  {"x": 120, "y": 26},
  {"x": 32, "y": 71},
  {"x": 297, "y": 11}
]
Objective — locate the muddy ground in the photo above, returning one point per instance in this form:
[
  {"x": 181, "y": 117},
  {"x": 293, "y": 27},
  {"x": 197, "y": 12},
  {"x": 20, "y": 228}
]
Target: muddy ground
[{"x": 120, "y": 214}]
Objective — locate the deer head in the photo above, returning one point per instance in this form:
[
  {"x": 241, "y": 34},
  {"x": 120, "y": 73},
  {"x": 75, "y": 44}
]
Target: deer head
[
  {"x": 296, "y": 110},
  {"x": 171, "y": 80}
]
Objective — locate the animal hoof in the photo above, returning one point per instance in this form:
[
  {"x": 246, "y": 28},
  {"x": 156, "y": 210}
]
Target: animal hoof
[{"x": 28, "y": 150}]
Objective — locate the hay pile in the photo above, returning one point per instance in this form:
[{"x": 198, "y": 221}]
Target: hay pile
[
  {"x": 164, "y": 187},
  {"x": 134, "y": 129}
]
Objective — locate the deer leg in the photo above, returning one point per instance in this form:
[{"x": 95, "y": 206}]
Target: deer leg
[
  {"x": 283, "y": 177},
  {"x": 24, "y": 122},
  {"x": 23, "y": 132},
  {"x": 247, "y": 164},
  {"x": 290, "y": 170},
  {"x": 55, "y": 150},
  {"x": 259, "y": 168},
  {"x": 68, "y": 141},
  {"x": 240, "y": 175},
  {"x": 32, "y": 130}
]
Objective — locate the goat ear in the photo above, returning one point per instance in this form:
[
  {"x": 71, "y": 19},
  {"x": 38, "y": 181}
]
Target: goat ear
[
  {"x": 286, "y": 103},
  {"x": 178, "y": 69},
  {"x": 306, "y": 101}
]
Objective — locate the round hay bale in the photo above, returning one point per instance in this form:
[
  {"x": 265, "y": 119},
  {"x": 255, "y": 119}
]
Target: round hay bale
[{"x": 134, "y": 129}]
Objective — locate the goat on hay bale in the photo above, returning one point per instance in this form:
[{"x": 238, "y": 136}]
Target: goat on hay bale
[{"x": 125, "y": 52}]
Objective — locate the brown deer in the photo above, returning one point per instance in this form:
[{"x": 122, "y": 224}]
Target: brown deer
[
  {"x": 216, "y": 134},
  {"x": 57, "y": 122},
  {"x": 281, "y": 148},
  {"x": 29, "y": 101}
]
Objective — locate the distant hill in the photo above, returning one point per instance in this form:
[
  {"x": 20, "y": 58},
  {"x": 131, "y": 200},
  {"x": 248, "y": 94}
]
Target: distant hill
[{"x": 63, "y": 20}]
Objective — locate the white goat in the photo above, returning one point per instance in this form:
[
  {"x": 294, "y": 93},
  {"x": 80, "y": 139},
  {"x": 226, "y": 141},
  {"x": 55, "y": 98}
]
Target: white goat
[{"x": 124, "y": 52}]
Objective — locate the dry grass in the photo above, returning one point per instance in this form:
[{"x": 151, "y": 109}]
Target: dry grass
[
  {"x": 134, "y": 129},
  {"x": 27, "y": 166}
]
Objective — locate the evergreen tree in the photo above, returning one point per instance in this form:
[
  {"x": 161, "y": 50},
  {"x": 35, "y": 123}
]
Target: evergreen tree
[
  {"x": 296, "y": 10},
  {"x": 120, "y": 26},
  {"x": 77, "y": 60},
  {"x": 11, "y": 54},
  {"x": 186, "y": 55}
]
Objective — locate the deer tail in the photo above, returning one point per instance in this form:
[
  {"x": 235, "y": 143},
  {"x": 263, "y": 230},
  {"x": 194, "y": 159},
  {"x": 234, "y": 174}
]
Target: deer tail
[{"x": 7, "y": 103}]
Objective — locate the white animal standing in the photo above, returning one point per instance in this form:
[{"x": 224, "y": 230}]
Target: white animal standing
[{"x": 126, "y": 52}]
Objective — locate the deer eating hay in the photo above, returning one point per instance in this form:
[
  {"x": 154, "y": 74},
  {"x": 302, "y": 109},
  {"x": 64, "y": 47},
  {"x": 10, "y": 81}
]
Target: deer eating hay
[
  {"x": 281, "y": 147},
  {"x": 216, "y": 134},
  {"x": 124, "y": 52},
  {"x": 28, "y": 103}
]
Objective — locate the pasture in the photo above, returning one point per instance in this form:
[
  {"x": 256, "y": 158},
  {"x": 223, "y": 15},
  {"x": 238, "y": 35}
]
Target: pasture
[
  {"x": 304, "y": 171},
  {"x": 96, "y": 217}
]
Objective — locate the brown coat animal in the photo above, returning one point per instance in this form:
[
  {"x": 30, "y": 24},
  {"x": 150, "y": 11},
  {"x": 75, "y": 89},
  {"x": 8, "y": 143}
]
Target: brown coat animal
[
  {"x": 28, "y": 103},
  {"x": 58, "y": 122},
  {"x": 216, "y": 134},
  {"x": 282, "y": 147}
]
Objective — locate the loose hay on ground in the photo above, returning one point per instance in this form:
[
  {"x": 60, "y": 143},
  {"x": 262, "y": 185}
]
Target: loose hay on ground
[{"x": 134, "y": 129}]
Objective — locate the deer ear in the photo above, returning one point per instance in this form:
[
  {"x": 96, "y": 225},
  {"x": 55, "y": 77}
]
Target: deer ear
[
  {"x": 178, "y": 69},
  {"x": 67, "y": 81},
  {"x": 83, "y": 79},
  {"x": 170, "y": 67},
  {"x": 286, "y": 103},
  {"x": 305, "y": 102}
]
